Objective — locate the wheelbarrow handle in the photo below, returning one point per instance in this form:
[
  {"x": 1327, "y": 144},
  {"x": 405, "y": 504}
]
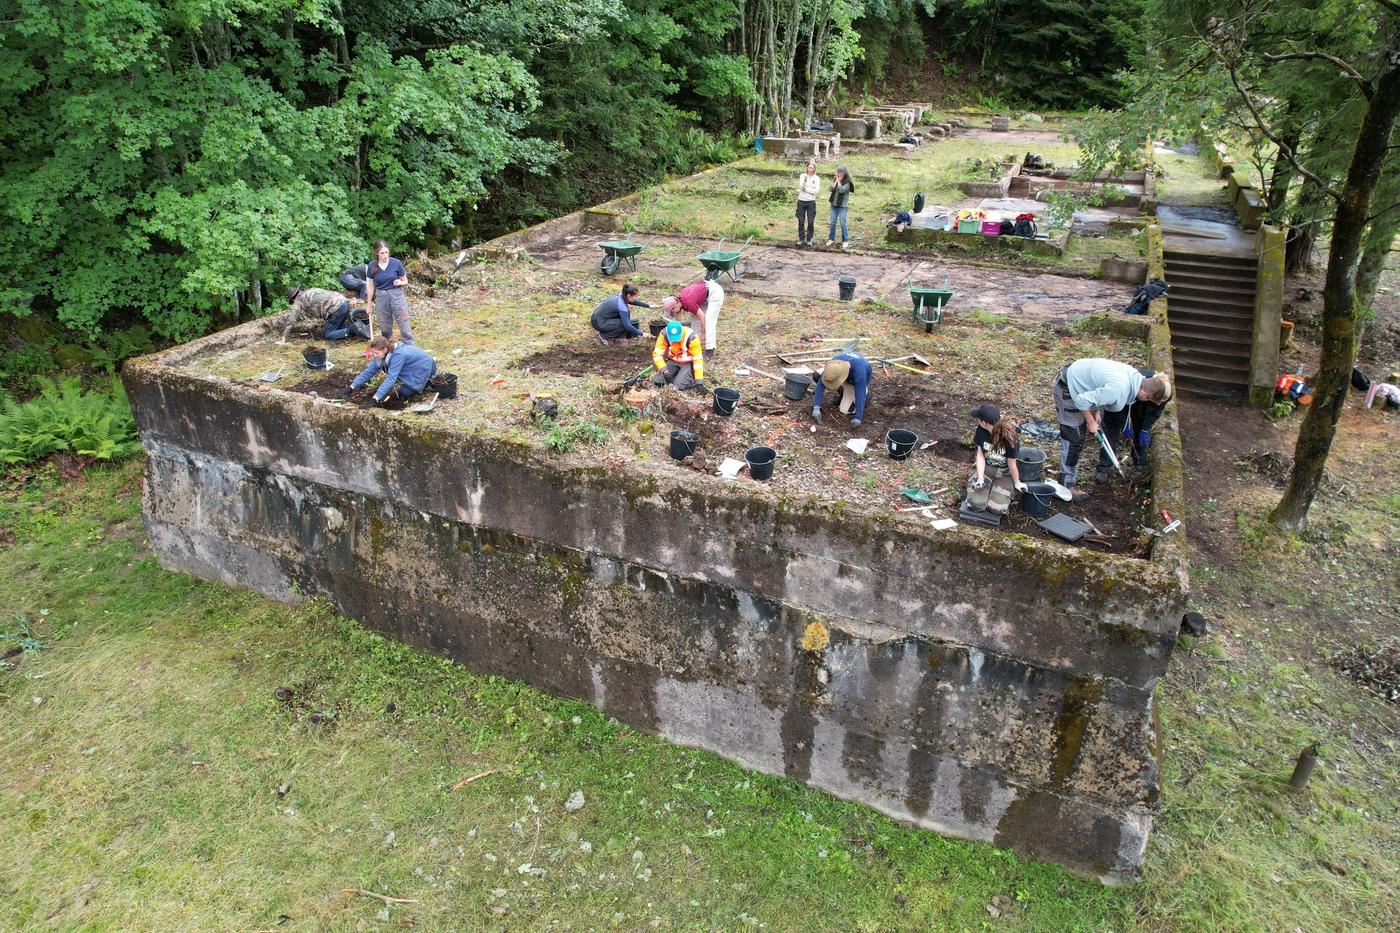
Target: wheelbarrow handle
[
  {"x": 720, "y": 247},
  {"x": 746, "y": 244},
  {"x": 651, "y": 241}
]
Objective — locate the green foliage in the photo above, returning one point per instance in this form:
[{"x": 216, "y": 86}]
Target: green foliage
[
  {"x": 563, "y": 438},
  {"x": 114, "y": 347},
  {"x": 65, "y": 418},
  {"x": 21, "y": 369},
  {"x": 22, "y": 636}
]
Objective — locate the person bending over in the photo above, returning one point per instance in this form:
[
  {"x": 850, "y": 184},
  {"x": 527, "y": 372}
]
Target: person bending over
[
  {"x": 848, "y": 373},
  {"x": 406, "y": 370},
  {"x": 996, "y": 473}
]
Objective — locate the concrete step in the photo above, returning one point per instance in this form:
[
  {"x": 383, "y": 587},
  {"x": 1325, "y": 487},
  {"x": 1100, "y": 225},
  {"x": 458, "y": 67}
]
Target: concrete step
[
  {"x": 1229, "y": 372},
  {"x": 1203, "y": 267},
  {"x": 1194, "y": 384},
  {"x": 1225, "y": 307},
  {"x": 1230, "y": 288},
  {"x": 1248, "y": 263},
  {"x": 1217, "y": 328},
  {"x": 1189, "y": 351}
]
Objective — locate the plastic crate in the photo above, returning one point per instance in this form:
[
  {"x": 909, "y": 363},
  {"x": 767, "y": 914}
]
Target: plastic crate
[
  {"x": 969, "y": 226},
  {"x": 991, "y": 228}
]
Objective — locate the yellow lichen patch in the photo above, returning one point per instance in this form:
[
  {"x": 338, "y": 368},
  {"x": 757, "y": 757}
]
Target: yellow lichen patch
[{"x": 815, "y": 638}]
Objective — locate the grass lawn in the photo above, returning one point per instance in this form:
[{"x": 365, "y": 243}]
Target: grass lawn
[{"x": 154, "y": 778}]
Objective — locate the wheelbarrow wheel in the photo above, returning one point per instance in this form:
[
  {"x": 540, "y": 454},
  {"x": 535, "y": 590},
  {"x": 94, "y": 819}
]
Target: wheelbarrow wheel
[
  {"x": 713, "y": 274},
  {"x": 609, "y": 264}
]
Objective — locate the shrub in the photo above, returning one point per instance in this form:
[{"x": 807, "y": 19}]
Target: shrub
[{"x": 63, "y": 418}]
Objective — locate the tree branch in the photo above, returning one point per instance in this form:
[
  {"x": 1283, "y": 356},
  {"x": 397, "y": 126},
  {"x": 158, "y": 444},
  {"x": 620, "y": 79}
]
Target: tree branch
[
  {"x": 1367, "y": 88},
  {"x": 1284, "y": 149},
  {"x": 1385, "y": 210},
  {"x": 1392, "y": 7}
]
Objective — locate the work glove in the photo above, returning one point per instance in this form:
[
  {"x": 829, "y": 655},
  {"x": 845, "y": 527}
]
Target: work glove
[
  {"x": 817, "y": 415},
  {"x": 346, "y": 392},
  {"x": 977, "y": 483},
  {"x": 369, "y": 402},
  {"x": 855, "y": 422},
  {"x": 698, "y": 386},
  {"x": 1020, "y": 487},
  {"x": 1144, "y": 438}
]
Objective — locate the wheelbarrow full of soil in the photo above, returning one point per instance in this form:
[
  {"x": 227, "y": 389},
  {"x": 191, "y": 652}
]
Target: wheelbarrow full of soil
[
  {"x": 720, "y": 261},
  {"x": 620, "y": 252},
  {"x": 928, "y": 303}
]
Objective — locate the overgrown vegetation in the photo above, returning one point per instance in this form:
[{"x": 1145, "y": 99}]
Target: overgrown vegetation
[{"x": 63, "y": 418}]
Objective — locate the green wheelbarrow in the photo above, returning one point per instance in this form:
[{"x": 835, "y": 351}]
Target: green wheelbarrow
[
  {"x": 618, "y": 252},
  {"x": 720, "y": 261},
  {"x": 928, "y": 303}
]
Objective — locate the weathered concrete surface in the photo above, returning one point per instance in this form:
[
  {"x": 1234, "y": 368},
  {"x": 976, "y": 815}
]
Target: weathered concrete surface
[
  {"x": 850, "y": 127},
  {"x": 1268, "y": 312},
  {"x": 998, "y": 689}
]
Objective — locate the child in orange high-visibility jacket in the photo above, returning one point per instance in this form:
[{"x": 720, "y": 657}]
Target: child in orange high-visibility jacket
[{"x": 678, "y": 357}]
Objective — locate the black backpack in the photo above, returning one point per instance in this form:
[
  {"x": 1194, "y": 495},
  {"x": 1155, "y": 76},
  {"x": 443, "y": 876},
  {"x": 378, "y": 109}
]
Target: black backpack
[
  {"x": 918, "y": 202},
  {"x": 1359, "y": 381},
  {"x": 1023, "y": 228},
  {"x": 1007, "y": 228}
]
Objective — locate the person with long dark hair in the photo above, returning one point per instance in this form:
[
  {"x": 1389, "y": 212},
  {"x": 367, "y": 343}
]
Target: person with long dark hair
[
  {"x": 996, "y": 475},
  {"x": 384, "y": 293}
]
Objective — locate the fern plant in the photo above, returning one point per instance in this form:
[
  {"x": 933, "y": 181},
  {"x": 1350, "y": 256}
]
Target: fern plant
[{"x": 63, "y": 418}]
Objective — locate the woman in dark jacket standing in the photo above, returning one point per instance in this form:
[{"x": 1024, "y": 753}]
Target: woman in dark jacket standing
[
  {"x": 840, "y": 198},
  {"x": 384, "y": 293}
]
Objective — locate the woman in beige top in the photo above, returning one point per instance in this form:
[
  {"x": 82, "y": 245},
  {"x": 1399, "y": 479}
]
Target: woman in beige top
[{"x": 809, "y": 183}]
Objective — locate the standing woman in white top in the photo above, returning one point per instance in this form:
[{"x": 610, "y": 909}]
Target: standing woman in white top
[{"x": 809, "y": 183}]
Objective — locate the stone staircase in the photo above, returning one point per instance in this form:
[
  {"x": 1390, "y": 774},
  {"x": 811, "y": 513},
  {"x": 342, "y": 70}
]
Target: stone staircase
[{"x": 1210, "y": 310}]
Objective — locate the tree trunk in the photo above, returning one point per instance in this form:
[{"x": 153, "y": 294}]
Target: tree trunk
[
  {"x": 1281, "y": 176},
  {"x": 1302, "y": 230},
  {"x": 1339, "y": 297},
  {"x": 1380, "y": 238}
]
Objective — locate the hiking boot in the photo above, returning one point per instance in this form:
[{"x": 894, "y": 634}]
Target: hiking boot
[
  {"x": 845, "y": 245},
  {"x": 603, "y": 340},
  {"x": 830, "y": 243},
  {"x": 1101, "y": 476},
  {"x": 1077, "y": 495},
  {"x": 800, "y": 244}
]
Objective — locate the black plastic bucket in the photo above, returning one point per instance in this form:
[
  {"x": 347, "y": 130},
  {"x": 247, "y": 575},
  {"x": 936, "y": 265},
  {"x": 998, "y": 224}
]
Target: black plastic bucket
[
  {"x": 1030, "y": 463},
  {"x": 683, "y": 444},
  {"x": 444, "y": 384},
  {"x": 760, "y": 461},
  {"x": 726, "y": 400},
  {"x": 656, "y": 326},
  {"x": 1037, "y": 500},
  {"x": 315, "y": 357},
  {"x": 900, "y": 443},
  {"x": 796, "y": 385},
  {"x": 847, "y": 284}
]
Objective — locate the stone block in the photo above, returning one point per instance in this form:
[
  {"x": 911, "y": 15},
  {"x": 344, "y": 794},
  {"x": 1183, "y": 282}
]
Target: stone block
[
  {"x": 1001, "y": 124},
  {"x": 850, "y": 127}
]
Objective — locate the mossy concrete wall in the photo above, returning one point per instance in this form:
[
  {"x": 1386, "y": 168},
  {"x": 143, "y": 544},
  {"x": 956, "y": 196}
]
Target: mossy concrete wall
[
  {"x": 1268, "y": 312},
  {"x": 987, "y": 686}
]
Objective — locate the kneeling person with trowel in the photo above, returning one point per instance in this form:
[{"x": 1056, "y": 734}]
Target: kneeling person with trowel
[
  {"x": 1092, "y": 398},
  {"x": 406, "y": 369},
  {"x": 678, "y": 357},
  {"x": 996, "y": 475},
  {"x": 850, "y": 373}
]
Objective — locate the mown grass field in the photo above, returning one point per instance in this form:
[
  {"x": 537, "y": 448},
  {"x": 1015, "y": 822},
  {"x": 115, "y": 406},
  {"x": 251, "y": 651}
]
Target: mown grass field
[{"x": 154, "y": 779}]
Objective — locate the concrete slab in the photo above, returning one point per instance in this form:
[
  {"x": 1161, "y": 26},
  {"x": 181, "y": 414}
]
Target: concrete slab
[{"x": 1183, "y": 232}]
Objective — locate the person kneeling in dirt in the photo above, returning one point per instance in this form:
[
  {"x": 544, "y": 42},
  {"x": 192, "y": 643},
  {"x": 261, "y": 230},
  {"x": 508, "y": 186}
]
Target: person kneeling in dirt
[
  {"x": 996, "y": 439},
  {"x": 406, "y": 369},
  {"x": 1141, "y": 417},
  {"x": 702, "y": 300},
  {"x": 678, "y": 358},
  {"x": 331, "y": 310},
  {"x": 1093, "y": 395},
  {"x": 850, "y": 374},
  {"x": 613, "y": 321}
]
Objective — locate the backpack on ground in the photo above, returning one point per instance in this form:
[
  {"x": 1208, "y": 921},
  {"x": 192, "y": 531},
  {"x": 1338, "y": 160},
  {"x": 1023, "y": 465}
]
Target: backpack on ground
[{"x": 919, "y": 203}]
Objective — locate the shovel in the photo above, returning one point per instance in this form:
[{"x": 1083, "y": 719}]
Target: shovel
[
  {"x": 637, "y": 377},
  {"x": 1112, "y": 457},
  {"x": 1061, "y": 492}
]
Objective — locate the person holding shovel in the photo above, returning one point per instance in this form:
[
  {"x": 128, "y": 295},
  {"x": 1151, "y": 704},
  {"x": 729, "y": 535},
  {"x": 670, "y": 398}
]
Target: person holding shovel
[
  {"x": 678, "y": 358},
  {"x": 702, "y": 300},
  {"x": 849, "y": 374},
  {"x": 612, "y": 320},
  {"x": 384, "y": 292},
  {"x": 1092, "y": 398},
  {"x": 996, "y": 475}
]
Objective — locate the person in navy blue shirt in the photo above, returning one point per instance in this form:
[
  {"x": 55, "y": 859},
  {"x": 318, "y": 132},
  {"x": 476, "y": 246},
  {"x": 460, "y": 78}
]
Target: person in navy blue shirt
[
  {"x": 406, "y": 369},
  {"x": 849, "y": 372},
  {"x": 612, "y": 319},
  {"x": 384, "y": 293}
]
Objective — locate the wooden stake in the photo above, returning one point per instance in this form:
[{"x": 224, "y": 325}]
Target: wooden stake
[
  {"x": 383, "y": 897},
  {"x": 475, "y": 777}
]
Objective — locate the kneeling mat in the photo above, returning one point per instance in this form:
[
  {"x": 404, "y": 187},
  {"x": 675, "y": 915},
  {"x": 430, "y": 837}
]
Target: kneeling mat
[
  {"x": 975, "y": 515},
  {"x": 1062, "y": 526}
]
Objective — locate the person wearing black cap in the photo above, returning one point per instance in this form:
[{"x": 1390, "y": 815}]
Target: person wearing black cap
[
  {"x": 996, "y": 475},
  {"x": 325, "y": 307}
]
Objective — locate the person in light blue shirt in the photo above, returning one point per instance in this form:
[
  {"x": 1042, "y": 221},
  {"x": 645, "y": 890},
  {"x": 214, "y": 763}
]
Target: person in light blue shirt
[
  {"x": 406, "y": 369},
  {"x": 1093, "y": 395}
]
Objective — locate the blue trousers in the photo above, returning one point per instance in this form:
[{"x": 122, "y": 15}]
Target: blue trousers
[{"x": 838, "y": 214}]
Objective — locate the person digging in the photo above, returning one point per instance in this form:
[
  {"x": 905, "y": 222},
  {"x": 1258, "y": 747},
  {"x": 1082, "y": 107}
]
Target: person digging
[
  {"x": 996, "y": 474},
  {"x": 406, "y": 369},
  {"x": 703, "y": 301},
  {"x": 329, "y": 310},
  {"x": 849, "y": 374},
  {"x": 1092, "y": 398},
  {"x": 678, "y": 358},
  {"x": 612, "y": 320}
]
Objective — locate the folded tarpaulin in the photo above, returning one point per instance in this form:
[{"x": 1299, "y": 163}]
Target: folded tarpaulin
[{"x": 1145, "y": 295}]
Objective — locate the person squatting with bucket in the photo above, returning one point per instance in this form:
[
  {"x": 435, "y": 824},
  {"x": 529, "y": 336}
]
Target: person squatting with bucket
[
  {"x": 612, "y": 319},
  {"x": 702, "y": 301},
  {"x": 809, "y": 185},
  {"x": 331, "y": 310},
  {"x": 384, "y": 292},
  {"x": 1093, "y": 395},
  {"x": 996, "y": 474},
  {"x": 850, "y": 374},
  {"x": 406, "y": 369},
  {"x": 678, "y": 358}
]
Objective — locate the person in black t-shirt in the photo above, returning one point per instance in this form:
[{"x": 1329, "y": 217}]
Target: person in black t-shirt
[{"x": 989, "y": 487}]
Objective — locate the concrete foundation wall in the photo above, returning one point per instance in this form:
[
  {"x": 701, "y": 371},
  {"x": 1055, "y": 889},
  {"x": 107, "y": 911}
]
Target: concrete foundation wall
[
  {"x": 993, "y": 687},
  {"x": 1268, "y": 312}
]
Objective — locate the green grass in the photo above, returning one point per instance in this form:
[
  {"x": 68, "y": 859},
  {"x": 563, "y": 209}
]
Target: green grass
[{"x": 145, "y": 748}]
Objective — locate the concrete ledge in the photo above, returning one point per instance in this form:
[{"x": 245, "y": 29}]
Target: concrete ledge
[{"x": 976, "y": 243}]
